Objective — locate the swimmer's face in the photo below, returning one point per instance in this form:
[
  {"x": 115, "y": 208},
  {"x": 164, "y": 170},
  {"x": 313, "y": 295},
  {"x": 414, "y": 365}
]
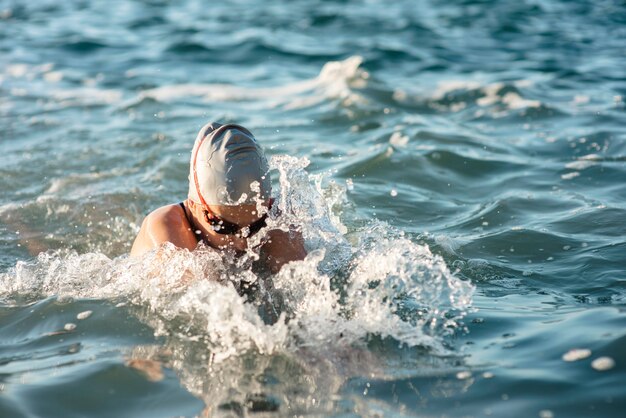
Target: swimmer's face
[{"x": 238, "y": 221}]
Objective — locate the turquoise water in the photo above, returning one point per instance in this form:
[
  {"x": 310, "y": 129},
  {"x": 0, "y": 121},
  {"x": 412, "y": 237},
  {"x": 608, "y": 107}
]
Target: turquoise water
[{"x": 458, "y": 171}]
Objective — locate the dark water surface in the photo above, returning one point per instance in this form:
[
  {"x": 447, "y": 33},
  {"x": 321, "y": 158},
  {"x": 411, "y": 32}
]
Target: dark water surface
[{"x": 459, "y": 172}]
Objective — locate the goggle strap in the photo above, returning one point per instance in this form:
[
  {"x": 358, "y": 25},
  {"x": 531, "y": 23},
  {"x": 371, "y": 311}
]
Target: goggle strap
[{"x": 195, "y": 177}]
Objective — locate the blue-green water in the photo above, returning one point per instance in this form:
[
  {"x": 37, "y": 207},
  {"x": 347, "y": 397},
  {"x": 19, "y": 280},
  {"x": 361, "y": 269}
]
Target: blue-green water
[{"x": 463, "y": 206}]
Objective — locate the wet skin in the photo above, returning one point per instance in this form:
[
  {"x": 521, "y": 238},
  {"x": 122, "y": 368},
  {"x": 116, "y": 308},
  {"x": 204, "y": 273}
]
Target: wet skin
[{"x": 169, "y": 224}]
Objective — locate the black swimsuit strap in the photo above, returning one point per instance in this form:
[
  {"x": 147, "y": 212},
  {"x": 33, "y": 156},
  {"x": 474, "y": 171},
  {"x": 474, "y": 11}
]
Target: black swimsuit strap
[{"x": 189, "y": 220}]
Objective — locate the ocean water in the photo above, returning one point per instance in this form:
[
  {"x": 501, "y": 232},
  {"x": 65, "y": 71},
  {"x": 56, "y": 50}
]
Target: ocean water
[{"x": 458, "y": 170}]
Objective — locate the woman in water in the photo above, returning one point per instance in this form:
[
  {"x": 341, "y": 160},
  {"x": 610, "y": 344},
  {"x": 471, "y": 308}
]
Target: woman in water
[{"x": 228, "y": 201}]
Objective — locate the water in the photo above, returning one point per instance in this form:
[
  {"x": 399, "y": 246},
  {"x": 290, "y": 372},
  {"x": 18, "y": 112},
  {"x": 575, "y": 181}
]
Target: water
[{"x": 458, "y": 172}]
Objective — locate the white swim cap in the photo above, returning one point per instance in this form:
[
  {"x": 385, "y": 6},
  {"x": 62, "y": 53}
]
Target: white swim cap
[{"x": 226, "y": 162}]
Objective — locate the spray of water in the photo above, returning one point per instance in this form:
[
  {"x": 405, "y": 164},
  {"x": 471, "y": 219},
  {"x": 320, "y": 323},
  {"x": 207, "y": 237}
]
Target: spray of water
[{"x": 380, "y": 284}]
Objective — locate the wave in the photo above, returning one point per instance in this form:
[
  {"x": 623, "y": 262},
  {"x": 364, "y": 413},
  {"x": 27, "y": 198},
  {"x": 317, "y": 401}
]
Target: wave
[
  {"x": 249, "y": 48},
  {"x": 341, "y": 88},
  {"x": 496, "y": 100},
  {"x": 336, "y": 82}
]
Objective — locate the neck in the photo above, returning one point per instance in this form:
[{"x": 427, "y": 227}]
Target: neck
[{"x": 195, "y": 221}]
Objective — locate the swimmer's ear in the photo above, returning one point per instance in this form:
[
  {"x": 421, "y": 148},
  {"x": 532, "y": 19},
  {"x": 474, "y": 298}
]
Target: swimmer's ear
[{"x": 206, "y": 215}]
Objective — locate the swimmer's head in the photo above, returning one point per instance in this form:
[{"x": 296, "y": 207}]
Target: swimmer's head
[{"x": 228, "y": 167}]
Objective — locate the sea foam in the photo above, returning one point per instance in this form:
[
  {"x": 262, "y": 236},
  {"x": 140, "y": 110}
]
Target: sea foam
[{"x": 377, "y": 283}]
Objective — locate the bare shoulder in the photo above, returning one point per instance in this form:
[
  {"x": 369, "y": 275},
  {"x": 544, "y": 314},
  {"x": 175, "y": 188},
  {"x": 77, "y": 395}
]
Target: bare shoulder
[
  {"x": 283, "y": 247},
  {"x": 165, "y": 224},
  {"x": 165, "y": 215}
]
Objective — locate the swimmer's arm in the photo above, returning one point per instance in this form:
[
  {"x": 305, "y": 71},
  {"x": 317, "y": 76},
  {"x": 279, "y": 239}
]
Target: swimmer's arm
[
  {"x": 283, "y": 247},
  {"x": 166, "y": 224}
]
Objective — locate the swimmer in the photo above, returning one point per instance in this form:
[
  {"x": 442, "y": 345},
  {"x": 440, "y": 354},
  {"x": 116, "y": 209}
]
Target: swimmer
[{"x": 228, "y": 201}]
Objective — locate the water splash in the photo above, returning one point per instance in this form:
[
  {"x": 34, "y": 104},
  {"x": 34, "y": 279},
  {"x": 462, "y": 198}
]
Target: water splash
[{"x": 379, "y": 284}]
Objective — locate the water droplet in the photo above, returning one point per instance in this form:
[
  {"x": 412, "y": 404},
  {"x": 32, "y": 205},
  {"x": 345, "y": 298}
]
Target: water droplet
[
  {"x": 69, "y": 327},
  {"x": 393, "y": 192},
  {"x": 488, "y": 375},
  {"x": 576, "y": 354},
  {"x": 603, "y": 363},
  {"x": 546, "y": 413},
  {"x": 84, "y": 315},
  {"x": 571, "y": 175},
  {"x": 463, "y": 375}
]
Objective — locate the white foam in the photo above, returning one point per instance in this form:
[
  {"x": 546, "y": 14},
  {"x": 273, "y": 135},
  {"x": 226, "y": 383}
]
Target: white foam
[
  {"x": 86, "y": 96},
  {"x": 602, "y": 364},
  {"x": 584, "y": 162},
  {"x": 576, "y": 354},
  {"x": 491, "y": 94},
  {"x": 385, "y": 284},
  {"x": 398, "y": 139},
  {"x": 53, "y": 76},
  {"x": 464, "y": 375},
  {"x": 84, "y": 315},
  {"x": 448, "y": 86},
  {"x": 515, "y": 101},
  {"x": 569, "y": 176},
  {"x": 336, "y": 81},
  {"x": 17, "y": 70}
]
